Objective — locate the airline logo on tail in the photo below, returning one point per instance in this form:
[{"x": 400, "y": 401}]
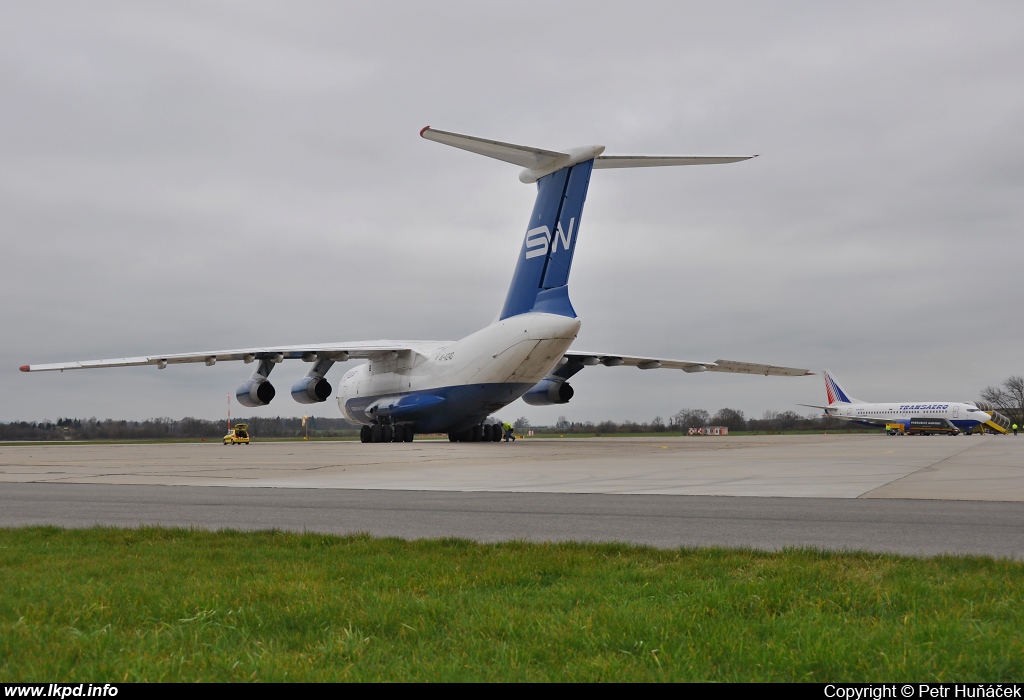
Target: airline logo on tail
[
  {"x": 834, "y": 391},
  {"x": 537, "y": 239}
]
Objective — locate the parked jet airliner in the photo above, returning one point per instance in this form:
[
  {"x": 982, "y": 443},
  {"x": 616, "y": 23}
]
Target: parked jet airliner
[
  {"x": 966, "y": 416},
  {"x": 412, "y": 387}
]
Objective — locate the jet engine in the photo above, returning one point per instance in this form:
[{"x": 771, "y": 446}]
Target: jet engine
[
  {"x": 311, "y": 389},
  {"x": 256, "y": 391},
  {"x": 549, "y": 391}
]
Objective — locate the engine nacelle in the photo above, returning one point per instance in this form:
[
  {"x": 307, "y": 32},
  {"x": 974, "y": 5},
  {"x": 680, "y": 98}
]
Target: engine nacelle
[
  {"x": 311, "y": 390},
  {"x": 257, "y": 391},
  {"x": 548, "y": 392}
]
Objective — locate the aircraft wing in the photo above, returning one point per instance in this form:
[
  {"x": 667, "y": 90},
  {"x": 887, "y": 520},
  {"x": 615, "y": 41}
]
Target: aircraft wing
[
  {"x": 616, "y": 360},
  {"x": 310, "y": 353}
]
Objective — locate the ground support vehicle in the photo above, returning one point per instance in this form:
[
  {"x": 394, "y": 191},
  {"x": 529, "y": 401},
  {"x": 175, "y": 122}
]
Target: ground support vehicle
[
  {"x": 239, "y": 435},
  {"x": 929, "y": 426}
]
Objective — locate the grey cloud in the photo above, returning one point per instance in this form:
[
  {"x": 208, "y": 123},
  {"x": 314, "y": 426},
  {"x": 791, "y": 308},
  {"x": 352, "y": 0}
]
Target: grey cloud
[{"x": 164, "y": 165}]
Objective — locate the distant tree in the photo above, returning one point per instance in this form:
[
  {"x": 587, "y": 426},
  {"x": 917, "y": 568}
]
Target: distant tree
[
  {"x": 788, "y": 420},
  {"x": 731, "y": 418},
  {"x": 562, "y": 422},
  {"x": 658, "y": 425},
  {"x": 1008, "y": 398},
  {"x": 691, "y": 418},
  {"x": 522, "y": 423}
]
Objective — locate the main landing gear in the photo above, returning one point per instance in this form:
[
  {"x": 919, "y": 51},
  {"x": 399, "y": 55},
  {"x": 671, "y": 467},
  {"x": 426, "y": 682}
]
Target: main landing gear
[
  {"x": 385, "y": 433},
  {"x": 478, "y": 433}
]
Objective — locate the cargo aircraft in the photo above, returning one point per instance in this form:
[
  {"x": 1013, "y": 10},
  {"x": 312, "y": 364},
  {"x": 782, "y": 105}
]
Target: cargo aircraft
[
  {"x": 965, "y": 416},
  {"x": 410, "y": 387}
]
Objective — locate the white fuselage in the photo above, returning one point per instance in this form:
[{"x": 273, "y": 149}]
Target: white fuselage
[
  {"x": 472, "y": 377},
  {"x": 962, "y": 415}
]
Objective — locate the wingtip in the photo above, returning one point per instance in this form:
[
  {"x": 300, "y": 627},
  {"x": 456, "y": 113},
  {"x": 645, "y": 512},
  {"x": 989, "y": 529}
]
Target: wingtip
[
  {"x": 25, "y": 368},
  {"x": 810, "y": 374},
  {"x": 424, "y": 129}
]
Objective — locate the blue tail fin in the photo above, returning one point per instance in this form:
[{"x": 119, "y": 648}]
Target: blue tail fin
[{"x": 540, "y": 282}]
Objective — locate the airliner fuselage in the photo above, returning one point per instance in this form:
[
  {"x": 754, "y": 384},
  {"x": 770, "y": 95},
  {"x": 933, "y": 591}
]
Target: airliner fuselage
[
  {"x": 965, "y": 416},
  {"x": 453, "y": 386}
]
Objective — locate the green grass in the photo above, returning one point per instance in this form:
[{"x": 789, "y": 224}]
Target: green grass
[{"x": 161, "y": 604}]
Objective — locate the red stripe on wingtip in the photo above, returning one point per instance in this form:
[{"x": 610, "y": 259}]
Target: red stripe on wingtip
[
  {"x": 24, "y": 368},
  {"x": 423, "y": 129}
]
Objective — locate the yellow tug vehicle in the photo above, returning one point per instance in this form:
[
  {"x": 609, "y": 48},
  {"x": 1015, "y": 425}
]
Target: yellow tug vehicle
[{"x": 239, "y": 435}]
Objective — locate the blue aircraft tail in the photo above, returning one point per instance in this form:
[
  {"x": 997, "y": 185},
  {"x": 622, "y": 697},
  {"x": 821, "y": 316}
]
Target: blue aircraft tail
[{"x": 540, "y": 282}]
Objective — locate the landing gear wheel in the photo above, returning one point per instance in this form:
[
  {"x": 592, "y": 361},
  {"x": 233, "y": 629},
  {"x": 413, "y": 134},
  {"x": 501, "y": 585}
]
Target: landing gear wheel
[
  {"x": 476, "y": 433},
  {"x": 387, "y": 434},
  {"x": 453, "y": 437},
  {"x": 486, "y": 435},
  {"x": 364, "y": 434},
  {"x": 408, "y": 434},
  {"x": 495, "y": 433},
  {"x": 376, "y": 434}
]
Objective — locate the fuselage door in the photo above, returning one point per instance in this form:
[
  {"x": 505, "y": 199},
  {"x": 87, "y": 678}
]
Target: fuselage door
[{"x": 956, "y": 410}]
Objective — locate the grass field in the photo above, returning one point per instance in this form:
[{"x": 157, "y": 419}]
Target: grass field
[{"x": 161, "y": 604}]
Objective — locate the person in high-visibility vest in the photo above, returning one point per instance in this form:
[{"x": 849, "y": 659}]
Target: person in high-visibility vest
[
  {"x": 1014, "y": 428},
  {"x": 510, "y": 433}
]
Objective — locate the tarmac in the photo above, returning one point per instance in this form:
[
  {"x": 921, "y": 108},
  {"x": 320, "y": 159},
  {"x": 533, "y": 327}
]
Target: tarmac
[
  {"x": 983, "y": 468},
  {"x": 906, "y": 495}
]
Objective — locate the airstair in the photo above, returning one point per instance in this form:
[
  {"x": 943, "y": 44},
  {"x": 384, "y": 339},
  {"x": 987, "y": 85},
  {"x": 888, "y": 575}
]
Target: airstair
[{"x": 998, "y": 422}]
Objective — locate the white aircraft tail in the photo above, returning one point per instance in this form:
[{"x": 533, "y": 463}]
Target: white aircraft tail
[{"x": 836, "y": 393}]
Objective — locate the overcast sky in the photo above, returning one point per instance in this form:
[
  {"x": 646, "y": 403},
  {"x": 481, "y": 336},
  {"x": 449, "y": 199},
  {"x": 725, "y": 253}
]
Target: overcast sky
[{"x": 195, "y": 176}]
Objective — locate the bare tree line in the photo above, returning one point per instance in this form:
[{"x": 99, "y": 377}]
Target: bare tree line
[
  {"x": 168, "y": 429},
  {"x": 1008, "y": 398},
  {"x": 687, "y": 418}
]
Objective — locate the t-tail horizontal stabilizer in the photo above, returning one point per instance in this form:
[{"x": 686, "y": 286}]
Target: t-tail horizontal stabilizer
[
  {"x": 538, "y": 162},
  {"x": 540, "y": 282}
]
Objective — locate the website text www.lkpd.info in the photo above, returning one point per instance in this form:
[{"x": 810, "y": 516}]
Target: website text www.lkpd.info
[{"x": 61, "y": 690}]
